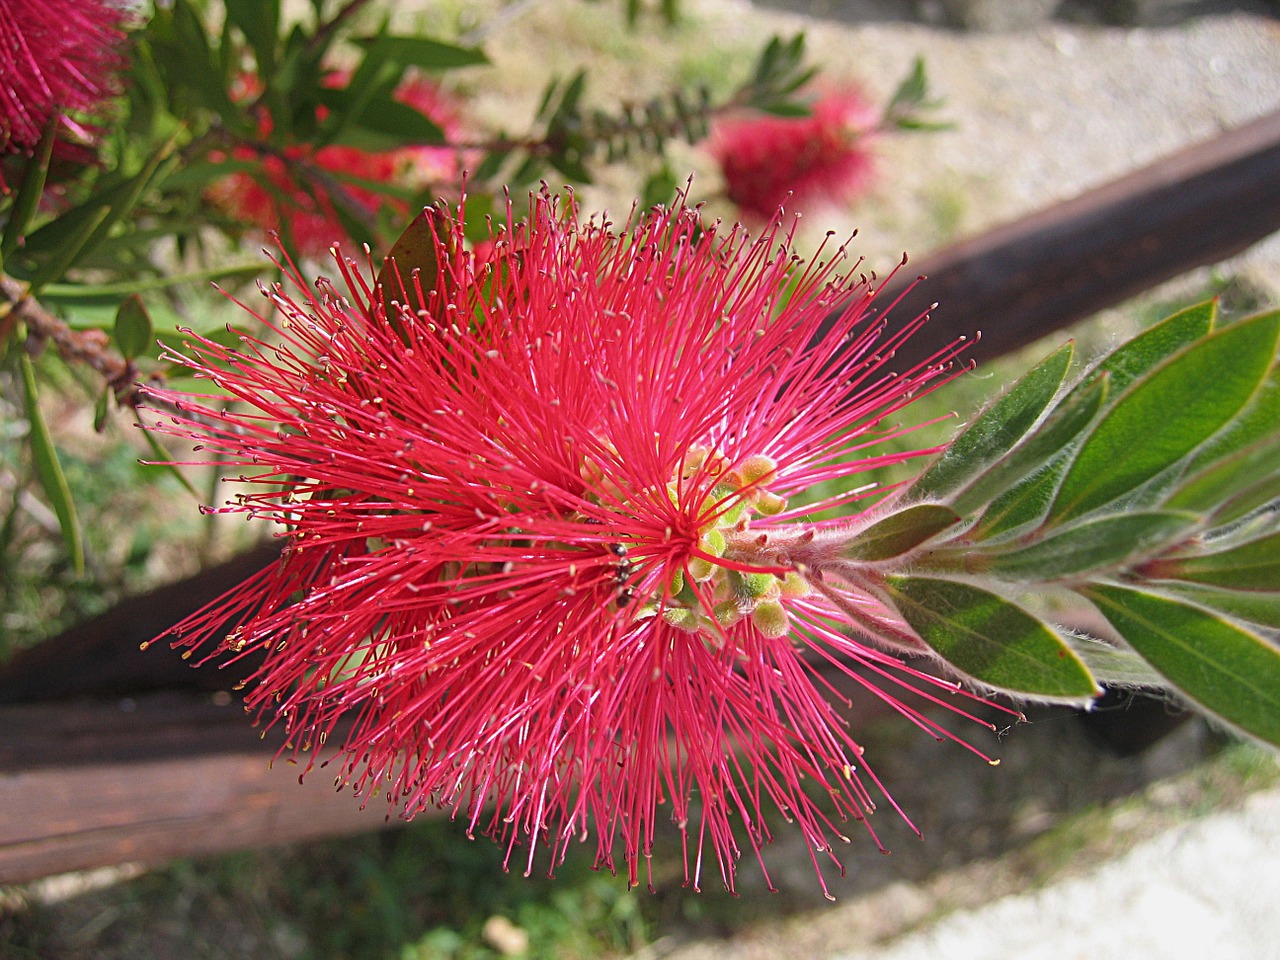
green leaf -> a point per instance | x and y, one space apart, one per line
123 198
990 639
72 293
1024 503
1221 666
414 252
1167 413
395 123
62 259
1114 667
30 190
1111 541
1247 501
1216 484
133 331
1135 357
997 429
1260 608
900 532
49 468
1063 424
1253 565
259 21
102 410
1257 421
424 52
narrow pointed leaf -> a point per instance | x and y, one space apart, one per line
1247 501
1063 424
1135 357
30 190
1252 606
996 429
49 468
1167 413
990 639
1114 667
1111 541
1258 420
1223 667
424 52
1254 565
1024 503
901 532
1219 482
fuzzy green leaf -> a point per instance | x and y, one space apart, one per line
1115 667
1253 565
1216 484
1218 664
1063 424
1135 357
49 468
1108 541
1252 606
1023 503
990 639
1257 421
996 429
900 532
1167 413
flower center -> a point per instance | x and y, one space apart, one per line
725 576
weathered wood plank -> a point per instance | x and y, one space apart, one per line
89 783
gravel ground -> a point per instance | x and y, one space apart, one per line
1204 889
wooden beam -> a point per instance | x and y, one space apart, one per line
1020 282
90 783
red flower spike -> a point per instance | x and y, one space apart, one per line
57 58
313 222
536 563
826 156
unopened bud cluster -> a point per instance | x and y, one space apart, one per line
711 591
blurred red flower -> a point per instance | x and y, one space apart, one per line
276 194
57 58
545 563
827 155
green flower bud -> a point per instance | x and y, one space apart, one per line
771 619
760 470
770 504
682 618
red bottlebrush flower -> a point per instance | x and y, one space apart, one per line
312 220
57 57
824 156
543 564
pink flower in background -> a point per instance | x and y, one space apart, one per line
312 220
824 156
548 560
57 57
